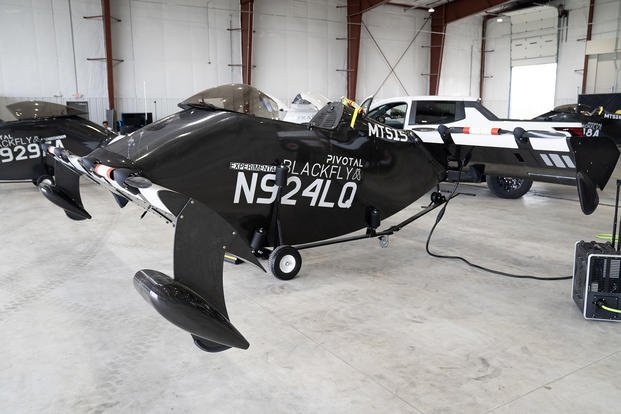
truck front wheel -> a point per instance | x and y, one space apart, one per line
508 187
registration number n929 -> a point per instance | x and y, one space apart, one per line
19 153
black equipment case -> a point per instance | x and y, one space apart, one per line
597 276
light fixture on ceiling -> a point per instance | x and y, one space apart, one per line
431 10
499 19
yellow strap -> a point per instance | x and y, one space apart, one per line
348 102
354 116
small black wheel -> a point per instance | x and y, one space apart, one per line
508 187
47 178
285 262
437 197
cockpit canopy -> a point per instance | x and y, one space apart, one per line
234 97
38 110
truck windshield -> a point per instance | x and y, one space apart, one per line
391 114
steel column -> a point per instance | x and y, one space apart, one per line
247 12
438 29
585 70
483 56
354 24
355 9
105 8
445 14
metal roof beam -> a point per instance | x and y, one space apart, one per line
459 9
105 9
246 12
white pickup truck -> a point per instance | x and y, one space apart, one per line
428 112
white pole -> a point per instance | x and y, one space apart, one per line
144 88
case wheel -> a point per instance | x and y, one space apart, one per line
285 262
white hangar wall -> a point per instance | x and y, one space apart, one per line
497 74
603 75
461 58
43 50
172 50
524 37
36 52
604 71
299 46
571 52
403 37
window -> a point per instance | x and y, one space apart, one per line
392 114
434 112
532 90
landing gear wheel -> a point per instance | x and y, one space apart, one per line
47 178
285 262
508 187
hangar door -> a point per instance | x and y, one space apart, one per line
534 45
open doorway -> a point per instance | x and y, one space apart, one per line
532 90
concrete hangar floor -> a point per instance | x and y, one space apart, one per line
361 330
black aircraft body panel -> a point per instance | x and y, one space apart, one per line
519 163
21 157
226 160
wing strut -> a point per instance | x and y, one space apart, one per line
194 299
65 193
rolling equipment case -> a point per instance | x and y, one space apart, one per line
596 277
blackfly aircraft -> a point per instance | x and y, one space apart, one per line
596 121
233 178
28 124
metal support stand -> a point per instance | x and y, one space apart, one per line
440 200
261 236
616 237
281 182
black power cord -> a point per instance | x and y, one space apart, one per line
466 261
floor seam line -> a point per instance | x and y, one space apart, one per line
341 359
552 381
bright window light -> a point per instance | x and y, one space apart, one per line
532 90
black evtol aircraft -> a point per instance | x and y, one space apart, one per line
36 122
233 178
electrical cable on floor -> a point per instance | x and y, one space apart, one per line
466 261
